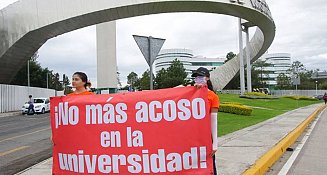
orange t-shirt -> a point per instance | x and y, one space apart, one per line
83 93
213 99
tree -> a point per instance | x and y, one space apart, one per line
259 65
118 80
306 81
174 75
160 79
229 56
65 82
323 85
144 81
56 82
38 75
283 82
132 78
255 78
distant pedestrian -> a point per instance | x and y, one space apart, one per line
325 98
30 106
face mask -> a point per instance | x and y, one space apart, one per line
200 80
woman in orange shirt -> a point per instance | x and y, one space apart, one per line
81 84
202 79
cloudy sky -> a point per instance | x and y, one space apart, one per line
301 31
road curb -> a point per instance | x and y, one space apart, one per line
270 157
34 166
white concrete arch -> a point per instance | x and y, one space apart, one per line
27 24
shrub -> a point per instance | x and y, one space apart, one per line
298 97
233 103
235 109
259 97
255 94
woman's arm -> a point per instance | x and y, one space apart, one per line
214 129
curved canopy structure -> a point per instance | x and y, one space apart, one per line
27 24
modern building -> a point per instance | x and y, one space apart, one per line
167 56
185 56
319 75
278 63
209 63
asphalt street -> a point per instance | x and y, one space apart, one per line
24 141
312 158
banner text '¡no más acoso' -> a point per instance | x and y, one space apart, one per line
183 109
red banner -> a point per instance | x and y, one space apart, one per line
149 132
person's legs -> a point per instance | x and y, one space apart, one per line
30 108
214 165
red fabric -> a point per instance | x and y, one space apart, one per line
169 146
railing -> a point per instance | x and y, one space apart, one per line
310 93
12 97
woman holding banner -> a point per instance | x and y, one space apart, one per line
202 79
81 84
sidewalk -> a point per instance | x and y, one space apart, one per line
237 151
8 114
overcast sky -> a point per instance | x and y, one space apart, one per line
301 29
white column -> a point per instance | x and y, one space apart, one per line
248 62
106 55
242 81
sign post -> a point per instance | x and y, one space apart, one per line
150 47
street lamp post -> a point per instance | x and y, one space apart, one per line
316 88
47 80
28 74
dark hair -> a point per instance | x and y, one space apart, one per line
83 76
30 96
210 86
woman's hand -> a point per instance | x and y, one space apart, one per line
200 85
213 153
51 139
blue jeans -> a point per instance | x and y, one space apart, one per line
30 107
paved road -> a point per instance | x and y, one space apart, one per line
24 141
313 156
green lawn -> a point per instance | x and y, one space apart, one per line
230 122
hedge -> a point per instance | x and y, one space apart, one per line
235 109
233 103
298 97
259 97
255 94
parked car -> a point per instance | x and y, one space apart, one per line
319 97
41 105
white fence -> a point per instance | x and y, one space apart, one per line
310 93
13 97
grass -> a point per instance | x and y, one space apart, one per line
229 123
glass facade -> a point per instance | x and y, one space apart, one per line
185 56
279 63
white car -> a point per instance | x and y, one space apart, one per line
41 105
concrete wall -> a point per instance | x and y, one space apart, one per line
13 97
